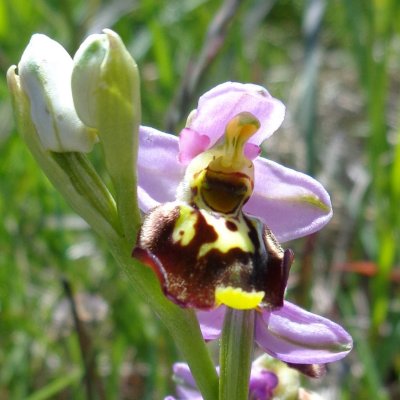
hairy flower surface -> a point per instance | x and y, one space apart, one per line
218 210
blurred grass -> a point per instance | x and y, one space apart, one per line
336 65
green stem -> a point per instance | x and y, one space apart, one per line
235 354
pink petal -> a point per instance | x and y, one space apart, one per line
211 322
294 335
252 151
191 144
219 105
159 172
290 203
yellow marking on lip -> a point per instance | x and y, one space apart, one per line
227 239
184 229
237 298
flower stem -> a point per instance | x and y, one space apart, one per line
235 354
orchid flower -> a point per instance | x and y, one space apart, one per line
218 210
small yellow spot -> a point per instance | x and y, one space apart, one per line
238 298
314 201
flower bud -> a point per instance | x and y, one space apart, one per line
45 74
105 77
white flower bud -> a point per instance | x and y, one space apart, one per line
45 74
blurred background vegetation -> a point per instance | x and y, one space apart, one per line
335 64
